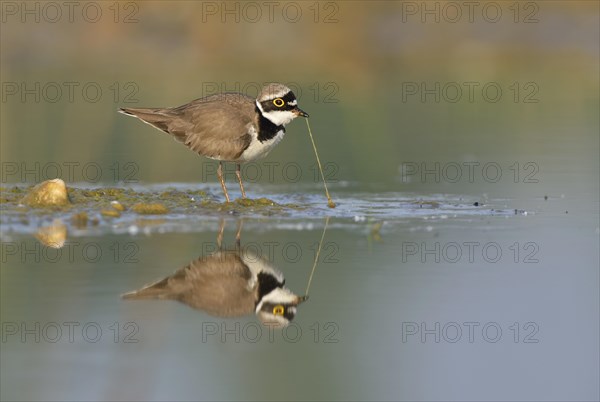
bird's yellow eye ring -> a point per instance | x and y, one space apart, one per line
278 310
278 102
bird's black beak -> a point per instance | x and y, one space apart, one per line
299 112
301 299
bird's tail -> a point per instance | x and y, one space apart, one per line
156 290
157 118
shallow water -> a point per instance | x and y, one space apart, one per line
191 215
414 297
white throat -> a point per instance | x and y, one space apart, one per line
277 117
279 296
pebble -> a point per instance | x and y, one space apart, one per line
49 193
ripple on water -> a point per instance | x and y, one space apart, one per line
300 208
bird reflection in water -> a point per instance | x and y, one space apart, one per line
228 283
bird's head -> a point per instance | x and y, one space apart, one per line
278 104
278 307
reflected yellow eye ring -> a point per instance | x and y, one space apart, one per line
278 310
278 102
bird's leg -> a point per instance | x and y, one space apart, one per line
238 173
238 235
220 174
220 234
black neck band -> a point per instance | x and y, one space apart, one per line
266 284
266 128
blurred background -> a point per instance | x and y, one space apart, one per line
361 69
395 90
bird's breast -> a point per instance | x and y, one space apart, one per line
257 149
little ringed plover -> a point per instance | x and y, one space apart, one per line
228 127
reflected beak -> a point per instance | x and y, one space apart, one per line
301 299
299 112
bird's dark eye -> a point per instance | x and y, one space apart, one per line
278 310
278 102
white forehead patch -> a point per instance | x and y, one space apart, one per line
277 94
274 93
293 103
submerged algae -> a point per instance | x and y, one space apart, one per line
149 209
87 207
